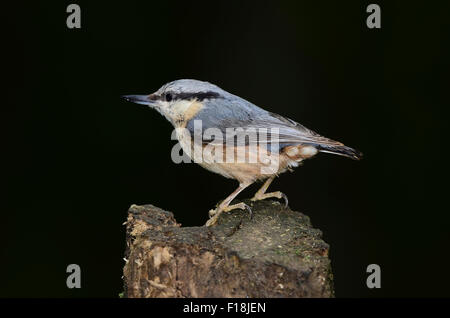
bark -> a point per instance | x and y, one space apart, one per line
277 253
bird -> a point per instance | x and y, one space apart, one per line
195 108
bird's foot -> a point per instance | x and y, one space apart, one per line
276 194
215 213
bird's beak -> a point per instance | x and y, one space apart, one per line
141 99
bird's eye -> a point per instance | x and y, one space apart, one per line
168 97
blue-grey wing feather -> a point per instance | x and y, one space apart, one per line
235 112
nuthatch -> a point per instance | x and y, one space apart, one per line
185 102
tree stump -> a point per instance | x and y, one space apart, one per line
277 253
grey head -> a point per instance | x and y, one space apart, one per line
172 93
182 99
185 88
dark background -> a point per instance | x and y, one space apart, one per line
77 156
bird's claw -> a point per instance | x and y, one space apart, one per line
249 209
286 201
214 213
277 194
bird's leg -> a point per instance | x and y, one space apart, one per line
225 205
261 194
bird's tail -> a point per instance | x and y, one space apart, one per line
340 149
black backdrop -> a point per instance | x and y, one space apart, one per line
76 155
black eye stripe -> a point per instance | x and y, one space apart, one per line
190 96
199 96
